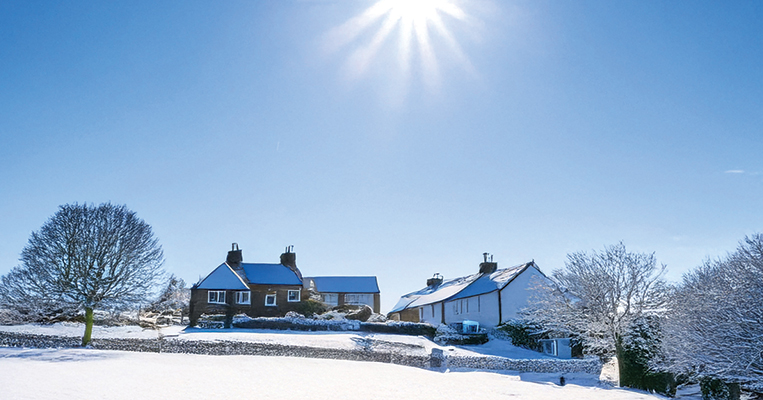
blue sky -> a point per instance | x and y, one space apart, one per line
548 128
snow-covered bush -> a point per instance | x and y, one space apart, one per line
448 334
639 347
311 306
214 321
174 296
377 318
597 296
520 333
714 324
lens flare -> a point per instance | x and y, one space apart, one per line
416 23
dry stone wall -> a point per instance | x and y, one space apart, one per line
369 350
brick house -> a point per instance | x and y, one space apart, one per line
270 290
255 289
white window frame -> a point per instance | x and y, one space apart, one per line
421 314
288 296
271 296
219 296
240 297
554 351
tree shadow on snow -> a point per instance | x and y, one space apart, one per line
56 355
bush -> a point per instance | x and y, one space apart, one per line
715 389
451 335
521 334
635 350
310 307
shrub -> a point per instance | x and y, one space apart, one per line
521 334
715 389
635 351
310 307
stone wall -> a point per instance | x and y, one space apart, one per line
369 350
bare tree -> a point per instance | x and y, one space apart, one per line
714 324
86 257
174 296
598 295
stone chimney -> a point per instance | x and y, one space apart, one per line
289 259
234 260
488 267
435 280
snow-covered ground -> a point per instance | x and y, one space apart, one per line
76 329
326 339
96 374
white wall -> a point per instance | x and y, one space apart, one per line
516 294
432 313
482 308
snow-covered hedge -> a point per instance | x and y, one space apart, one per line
297 322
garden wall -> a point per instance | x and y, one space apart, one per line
375 351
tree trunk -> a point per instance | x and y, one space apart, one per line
88 326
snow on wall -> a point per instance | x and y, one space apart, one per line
383 352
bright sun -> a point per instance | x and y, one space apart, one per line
414 21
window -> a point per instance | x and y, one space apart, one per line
549 347
216 296
242 298
359 299
421 314
270 299
293 296
331 299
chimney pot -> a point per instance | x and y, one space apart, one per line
488 267
289 259
234 256
435 280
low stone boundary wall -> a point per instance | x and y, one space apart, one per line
219 347
587 365
375 351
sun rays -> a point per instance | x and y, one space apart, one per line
413 24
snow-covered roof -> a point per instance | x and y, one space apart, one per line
270 274
458 288
492 282
346 284
434 294
223 278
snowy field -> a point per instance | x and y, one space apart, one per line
99 374
96 374
327 339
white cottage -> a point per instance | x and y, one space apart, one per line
491 297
